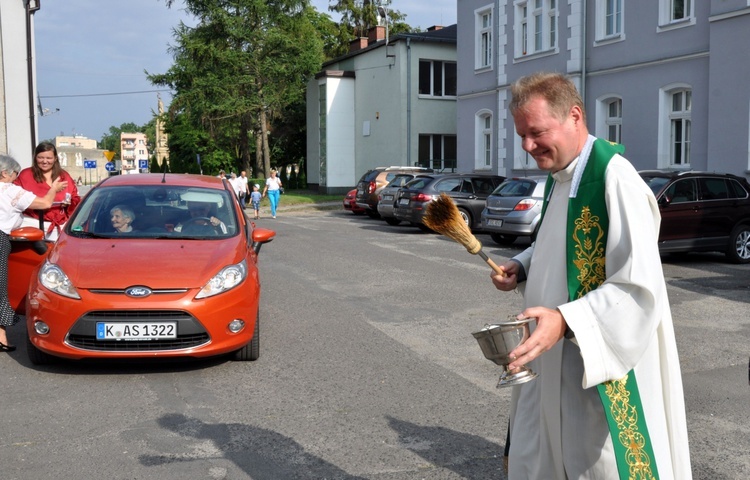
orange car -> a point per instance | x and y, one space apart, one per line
179 279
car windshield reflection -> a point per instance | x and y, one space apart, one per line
155 212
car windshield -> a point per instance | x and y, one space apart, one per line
515 188
655 183
400 180
418 183
154 211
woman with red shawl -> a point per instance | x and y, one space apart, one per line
38 179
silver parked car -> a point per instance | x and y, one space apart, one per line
387 197
513 209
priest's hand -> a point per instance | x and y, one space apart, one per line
510 280
550 328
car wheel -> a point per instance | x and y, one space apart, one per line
373 214
738 250
502 239
36 356
251 351
466 216
392 221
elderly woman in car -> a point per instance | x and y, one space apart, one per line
122 218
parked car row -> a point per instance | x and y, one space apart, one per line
701 211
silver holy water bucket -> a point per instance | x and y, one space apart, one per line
498 340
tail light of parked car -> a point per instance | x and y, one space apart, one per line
422 197
525 204
371 187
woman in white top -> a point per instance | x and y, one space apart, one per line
13 201
272 189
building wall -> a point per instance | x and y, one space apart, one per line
374 112
75 141
639 66
18 127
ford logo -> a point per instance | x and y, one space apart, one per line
138 292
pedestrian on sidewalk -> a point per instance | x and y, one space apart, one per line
272 190
255 200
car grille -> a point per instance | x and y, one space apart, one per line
190 332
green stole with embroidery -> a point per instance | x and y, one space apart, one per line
587 228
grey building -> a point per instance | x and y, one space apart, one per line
389 101
666 78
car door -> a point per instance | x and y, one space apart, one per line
679 206
716 207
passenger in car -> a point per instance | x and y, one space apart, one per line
122 218
201 214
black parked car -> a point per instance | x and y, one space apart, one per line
702 212
468 190
373 181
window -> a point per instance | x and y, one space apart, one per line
536 26
437 78
437 152
679 120
608 19
483 140
484 39
614 121
682 191
675 11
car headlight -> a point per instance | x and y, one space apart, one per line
52 277
228 278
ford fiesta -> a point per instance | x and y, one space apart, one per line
149 265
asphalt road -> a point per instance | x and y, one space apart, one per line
368 370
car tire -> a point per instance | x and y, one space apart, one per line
251 351
372 214
466 216
36 356
392 221
502 239
738 250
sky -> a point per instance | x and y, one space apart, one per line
91 56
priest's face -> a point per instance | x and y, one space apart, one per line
552 141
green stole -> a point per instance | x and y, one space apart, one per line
587 229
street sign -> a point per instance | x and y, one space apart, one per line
143 164
89 164
109 154
110 166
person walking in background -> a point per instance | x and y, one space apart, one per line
235 183
255 200
38 179
272 190
13 201
244 187
608 402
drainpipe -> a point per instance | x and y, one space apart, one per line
583 53
30 73
408 101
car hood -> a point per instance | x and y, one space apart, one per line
156 263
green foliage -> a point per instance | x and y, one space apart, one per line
244 61
357 17
111 140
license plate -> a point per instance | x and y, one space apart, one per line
387 197
403 201
494 223
136 331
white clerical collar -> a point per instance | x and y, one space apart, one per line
580 165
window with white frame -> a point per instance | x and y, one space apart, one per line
614 120
535 26
438 152
675 11
608 19
437 78
483 140
484 38
679 121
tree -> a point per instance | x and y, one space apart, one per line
358 16
235 73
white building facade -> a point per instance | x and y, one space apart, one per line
18 120
383 105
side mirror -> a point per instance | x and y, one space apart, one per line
32 235
261 236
